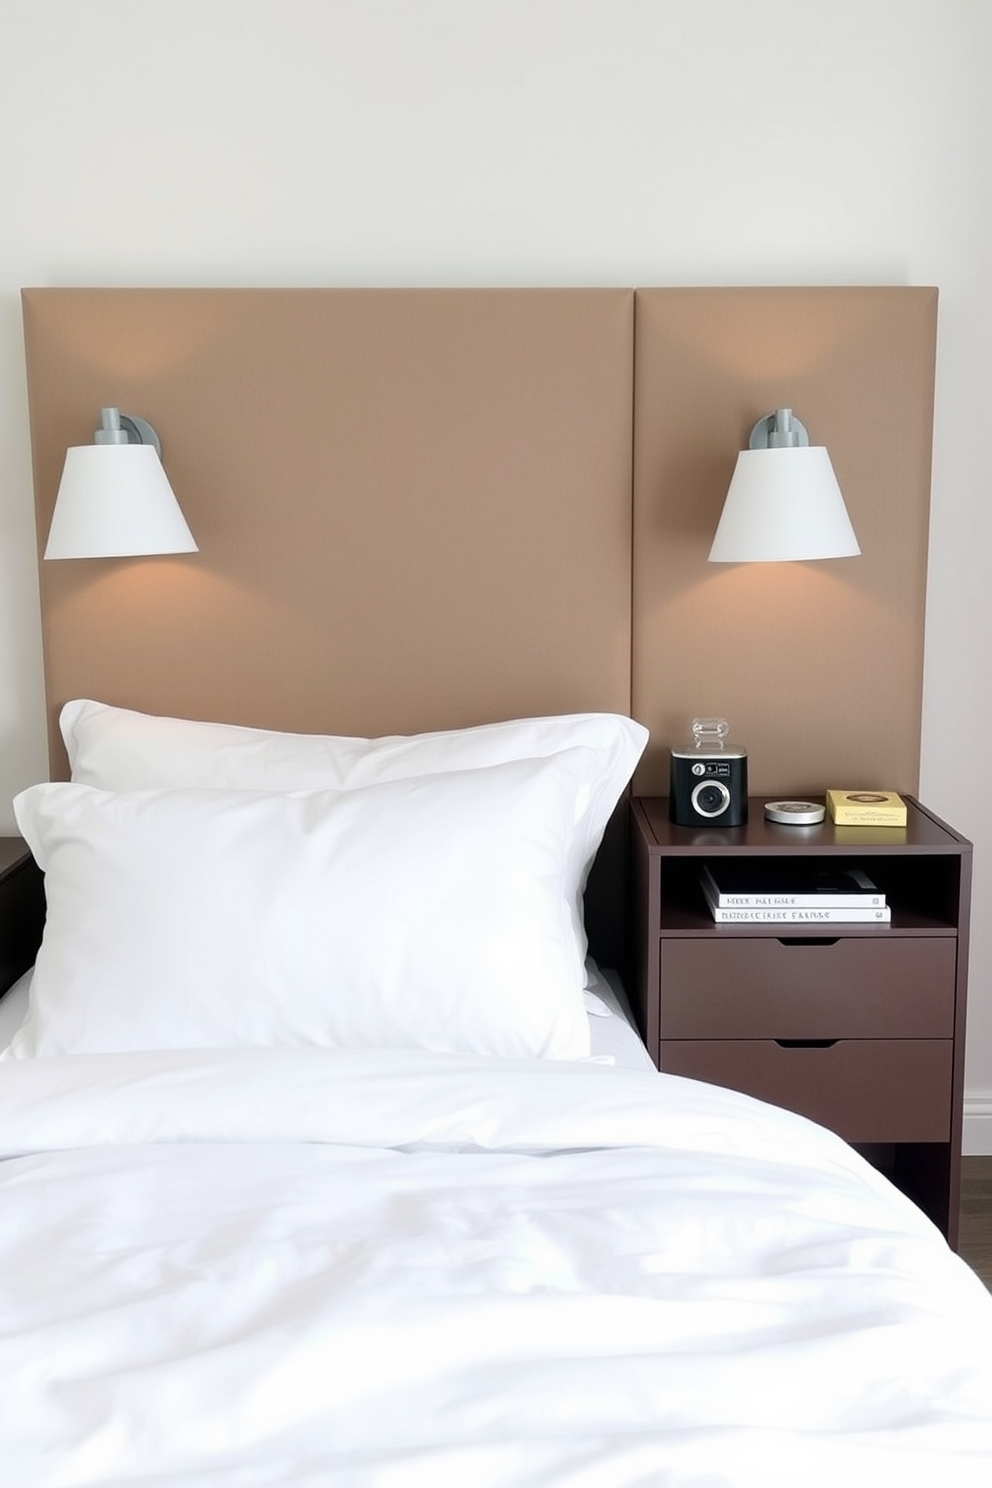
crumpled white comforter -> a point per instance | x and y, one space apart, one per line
405 1270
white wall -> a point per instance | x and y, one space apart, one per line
523 142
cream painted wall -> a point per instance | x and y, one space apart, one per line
453 142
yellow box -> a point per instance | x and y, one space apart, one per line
866 808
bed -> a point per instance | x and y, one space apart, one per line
330 1152
299 1189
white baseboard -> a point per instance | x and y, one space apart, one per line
977 1139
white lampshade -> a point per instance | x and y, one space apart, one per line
115 501
783 504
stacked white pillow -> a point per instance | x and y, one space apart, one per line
211 885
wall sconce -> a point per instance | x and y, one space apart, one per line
114 499
784 502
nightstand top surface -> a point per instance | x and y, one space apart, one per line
922 833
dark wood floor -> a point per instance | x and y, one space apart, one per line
975 1238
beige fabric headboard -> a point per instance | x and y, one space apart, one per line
413 507
427 508
818 666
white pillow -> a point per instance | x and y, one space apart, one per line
120 750
427 913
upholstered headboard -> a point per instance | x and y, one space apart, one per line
428 508
413 508
818 666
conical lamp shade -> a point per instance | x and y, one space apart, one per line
115 501
782 505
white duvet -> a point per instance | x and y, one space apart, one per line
405 1270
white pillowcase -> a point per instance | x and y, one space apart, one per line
119 750
428 913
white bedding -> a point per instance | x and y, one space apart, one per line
411 1270
613 1037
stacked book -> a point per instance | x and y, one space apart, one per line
791 894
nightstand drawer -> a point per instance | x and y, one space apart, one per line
858 1087
858 987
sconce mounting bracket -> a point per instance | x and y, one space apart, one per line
126 428
777 430
140 431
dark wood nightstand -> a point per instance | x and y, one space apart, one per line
22 909
860 1027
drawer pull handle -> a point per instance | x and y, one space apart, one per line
806 940
806 1043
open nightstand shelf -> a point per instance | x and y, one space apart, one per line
859 1026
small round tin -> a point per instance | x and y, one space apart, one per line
795 813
